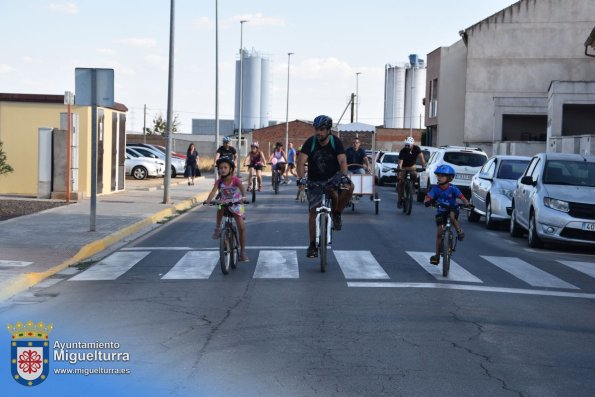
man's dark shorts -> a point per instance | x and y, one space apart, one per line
315 189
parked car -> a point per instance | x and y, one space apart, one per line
386 168
466 162
555 200
492 188
159 148
177 165
143 167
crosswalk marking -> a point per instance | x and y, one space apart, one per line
527 273
193 265
4 263
359 265
112 267
277 264
587 268
456 272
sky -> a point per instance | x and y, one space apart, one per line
43 41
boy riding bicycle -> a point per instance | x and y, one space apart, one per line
445 195
232 191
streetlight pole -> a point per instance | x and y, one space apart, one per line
216 73
289 54
170 105
357 96
241 94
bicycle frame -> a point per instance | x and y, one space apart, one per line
323 210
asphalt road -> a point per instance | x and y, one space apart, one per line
509 321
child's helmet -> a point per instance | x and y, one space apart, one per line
254 144
445 169
227 160
226 139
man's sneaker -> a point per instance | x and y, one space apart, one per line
312 251
244 257
434 259
337 221
460 235
216 233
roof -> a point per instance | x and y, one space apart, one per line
356 127
568 156
46 98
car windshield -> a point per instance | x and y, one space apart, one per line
512 169
390 158
573 173
465 159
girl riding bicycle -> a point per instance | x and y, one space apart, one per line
278 159
232 191
255 163
445 195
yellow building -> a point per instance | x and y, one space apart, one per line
22 116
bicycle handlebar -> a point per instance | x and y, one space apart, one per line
434 204
224 204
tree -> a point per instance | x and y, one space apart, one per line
160 125
5 168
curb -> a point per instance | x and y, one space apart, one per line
28 280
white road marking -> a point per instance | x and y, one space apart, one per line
4 263
255 247
193 265
359 265
456 272
587 268
111 267
159 248
482 288
277 264
527 273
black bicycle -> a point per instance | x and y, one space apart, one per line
408 190
253 183
229 242
324 227
276 178
448 243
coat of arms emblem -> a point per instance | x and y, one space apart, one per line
29 352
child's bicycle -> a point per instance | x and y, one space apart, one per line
448 243
408 189
276 178
253 183
229 242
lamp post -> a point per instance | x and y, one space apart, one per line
241 94
170 105
216 73
289 54
357 96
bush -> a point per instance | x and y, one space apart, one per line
5 168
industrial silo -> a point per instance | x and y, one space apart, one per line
394 96
255 91
415 85
264 93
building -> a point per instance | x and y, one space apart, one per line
208 127
404 88
32 128
518 82
255 92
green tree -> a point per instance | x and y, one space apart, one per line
160 125
5 168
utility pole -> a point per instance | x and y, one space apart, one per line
170 103
352 105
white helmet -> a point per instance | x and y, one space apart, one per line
410 141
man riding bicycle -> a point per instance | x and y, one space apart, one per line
327 169
357 155
407 159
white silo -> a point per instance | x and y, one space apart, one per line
394 96
255 91
415 85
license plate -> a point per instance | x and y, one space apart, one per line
589 226
464 176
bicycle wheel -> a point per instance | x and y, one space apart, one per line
446 251
234 246
253 189
376 201
408 204
322 242
276 182
224 251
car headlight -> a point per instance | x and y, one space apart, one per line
386 169
505 192
558 205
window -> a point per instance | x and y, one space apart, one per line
465 158
512 169
433 98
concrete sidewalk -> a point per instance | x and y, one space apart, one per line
37 246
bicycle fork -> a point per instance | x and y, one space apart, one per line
326 212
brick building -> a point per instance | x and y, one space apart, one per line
298 132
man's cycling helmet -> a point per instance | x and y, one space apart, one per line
445 169
323 122
410 141
278 144
227 160
254 144
226 139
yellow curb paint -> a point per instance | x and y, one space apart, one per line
28 280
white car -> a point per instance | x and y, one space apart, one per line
386 168
177 165
492 188
143 167
555 200
466 162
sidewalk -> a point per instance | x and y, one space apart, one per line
37 246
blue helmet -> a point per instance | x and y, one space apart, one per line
226 139
323 122
445 169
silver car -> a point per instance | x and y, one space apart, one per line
177 165
492 187
386 167
143 167
555 200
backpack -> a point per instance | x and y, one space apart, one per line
314 143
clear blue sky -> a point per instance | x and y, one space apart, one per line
43 41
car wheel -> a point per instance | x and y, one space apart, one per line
139 172
515 229
173 172
534 240
472 216
490 224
